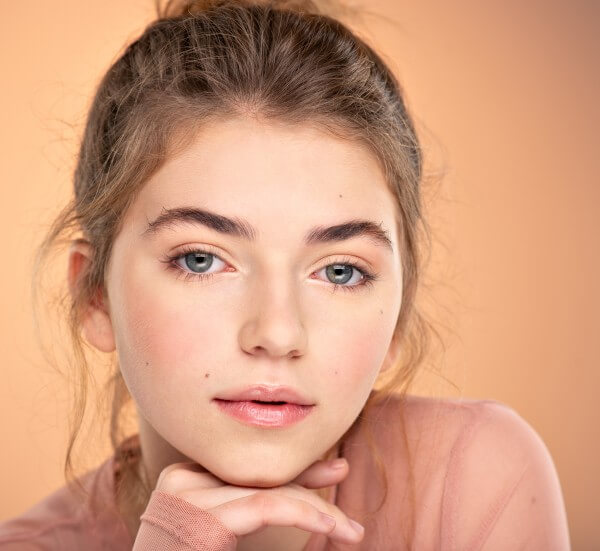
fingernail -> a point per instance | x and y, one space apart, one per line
338 463
359 528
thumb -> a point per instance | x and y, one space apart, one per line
322 473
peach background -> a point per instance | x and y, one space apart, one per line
506 95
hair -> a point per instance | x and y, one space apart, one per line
289 61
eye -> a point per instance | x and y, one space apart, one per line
193 264
198 262
347 275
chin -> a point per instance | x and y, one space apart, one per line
263 477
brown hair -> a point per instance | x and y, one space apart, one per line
289 61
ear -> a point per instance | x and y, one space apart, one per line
392 355
95 319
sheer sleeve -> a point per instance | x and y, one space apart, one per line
170 523
502 490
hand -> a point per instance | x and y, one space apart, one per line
245 510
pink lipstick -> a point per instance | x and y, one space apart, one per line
265 414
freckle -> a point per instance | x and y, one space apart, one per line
341 195
146 363
381 311
206 375
533 500
336 372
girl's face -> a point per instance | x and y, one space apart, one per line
267 310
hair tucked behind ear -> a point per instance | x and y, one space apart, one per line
205 60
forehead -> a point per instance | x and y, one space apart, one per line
267 172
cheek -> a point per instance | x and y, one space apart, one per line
166 335
352 348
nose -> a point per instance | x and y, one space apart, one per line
272 324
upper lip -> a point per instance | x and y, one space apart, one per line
266 393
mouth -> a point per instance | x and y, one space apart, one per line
266 394
254 402
264 414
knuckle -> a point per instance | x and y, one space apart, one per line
265 503
333 511
171 476
162 475
171 467
305 508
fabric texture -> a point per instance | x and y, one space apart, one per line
173 524
481 478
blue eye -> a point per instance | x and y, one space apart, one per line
196 262
199 261
339 270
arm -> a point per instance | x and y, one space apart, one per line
171 523
502 490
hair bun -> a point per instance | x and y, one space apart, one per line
331 8
178 8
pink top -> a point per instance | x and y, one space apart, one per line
484 479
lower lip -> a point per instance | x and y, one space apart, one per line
265 415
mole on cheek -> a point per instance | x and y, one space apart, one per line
206 375
340 195
381 311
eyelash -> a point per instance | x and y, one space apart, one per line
367 280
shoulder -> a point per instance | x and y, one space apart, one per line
478 427
449 424
66 518
500 486
36 527
461 425
485 478
474 441
491 440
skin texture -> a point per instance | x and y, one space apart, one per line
269 313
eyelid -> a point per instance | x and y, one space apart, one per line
369 275
347 260
342 258
191 248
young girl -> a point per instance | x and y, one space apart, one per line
246 236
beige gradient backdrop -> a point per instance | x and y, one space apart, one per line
506 95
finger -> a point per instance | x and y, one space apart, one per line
299 492
181 476
322 473
264 508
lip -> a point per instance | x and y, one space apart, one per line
266 393
264 415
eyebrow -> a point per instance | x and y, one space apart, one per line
238 227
